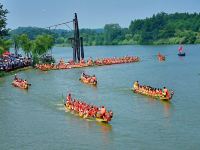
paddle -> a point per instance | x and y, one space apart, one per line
63 99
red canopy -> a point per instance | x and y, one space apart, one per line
6 53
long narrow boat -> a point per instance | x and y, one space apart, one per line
156 96
20 84
161 57
85 111
87 79
88 63
82 115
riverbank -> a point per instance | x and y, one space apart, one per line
3 73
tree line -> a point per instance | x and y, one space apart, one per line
161 28
33 48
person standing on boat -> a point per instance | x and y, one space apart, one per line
135 85
83 74
103 111
69 98
16 78
180 49
25 82
94 79
165 92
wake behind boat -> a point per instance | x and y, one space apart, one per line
162 94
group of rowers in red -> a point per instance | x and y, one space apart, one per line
88 79
20 83
153 92
71 64
88 111
161 57
110 61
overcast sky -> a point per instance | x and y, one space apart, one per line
91 13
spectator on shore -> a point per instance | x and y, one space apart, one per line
11 62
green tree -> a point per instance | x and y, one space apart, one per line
5 45
1 50
42 44
112 33
16 42
161 28
3 29
26 44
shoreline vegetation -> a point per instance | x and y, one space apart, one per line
160 29
3 73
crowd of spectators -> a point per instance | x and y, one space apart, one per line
9 62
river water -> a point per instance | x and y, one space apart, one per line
36 119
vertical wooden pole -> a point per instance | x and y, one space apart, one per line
74 41
82 50
77 38
78 51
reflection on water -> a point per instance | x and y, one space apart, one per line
181 58
22 91
167 107
105 128
36 118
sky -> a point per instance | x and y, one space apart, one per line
91 13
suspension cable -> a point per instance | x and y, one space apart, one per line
64 23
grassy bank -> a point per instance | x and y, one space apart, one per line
3 74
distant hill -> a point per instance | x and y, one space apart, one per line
161 28
61 36
32 32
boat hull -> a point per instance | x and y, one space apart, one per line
84 116
19 85
86 82
155 97
181 54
